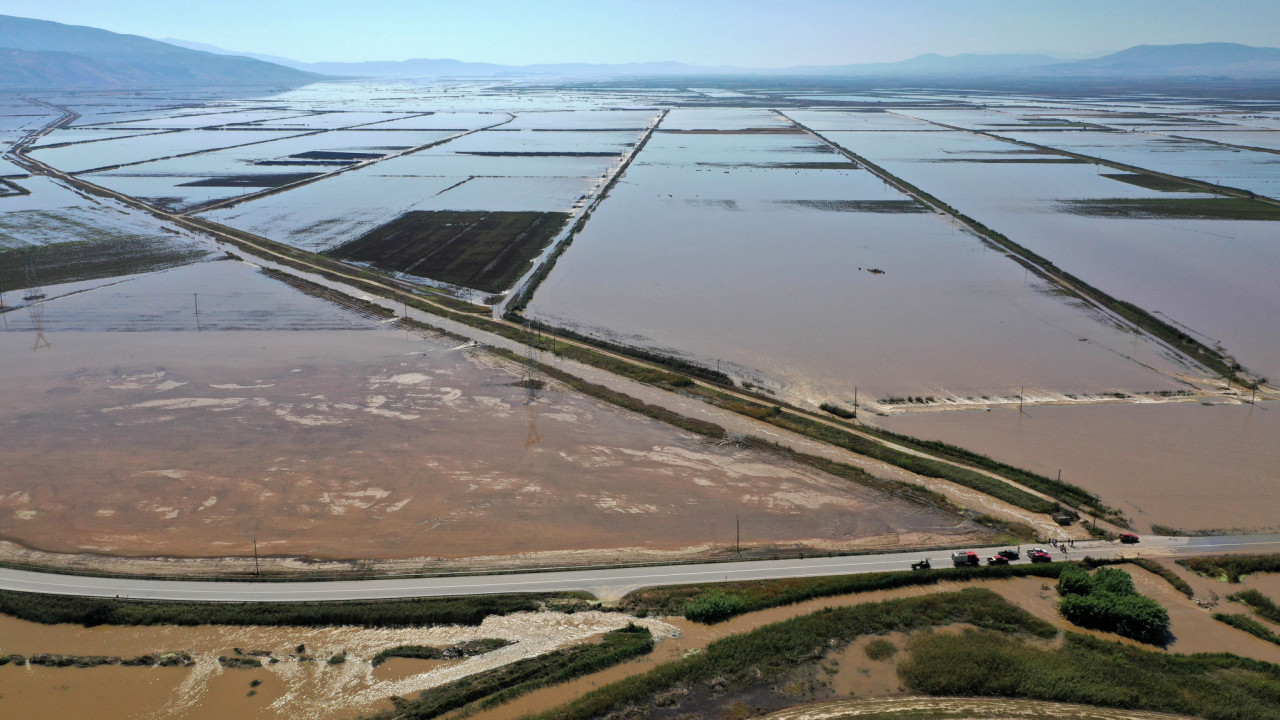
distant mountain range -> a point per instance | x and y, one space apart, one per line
1212 59
41 54
37 54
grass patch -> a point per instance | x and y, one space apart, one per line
1107 601
1260 604
881 649
484 250
768 653
837 411
1232 567
1093 672
1174 208
494 687
712 603
53 609
1249 625
1155 182
426 652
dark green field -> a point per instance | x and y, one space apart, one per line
484 250
1175 208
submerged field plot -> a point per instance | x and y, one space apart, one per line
1200 261
755 247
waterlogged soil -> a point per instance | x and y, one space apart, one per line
379 444
300 684
704 251
1184 465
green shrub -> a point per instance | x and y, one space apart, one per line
1232 567
1107 600
714 607
881 649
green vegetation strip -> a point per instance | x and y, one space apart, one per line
494 687
53 609
1249 625
1232 567
721 601
1107 600
1260 604
770 652
1090 671
426 652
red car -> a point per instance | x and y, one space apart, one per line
1039 555
1128 538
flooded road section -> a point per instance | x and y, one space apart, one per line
771 256
1183 465
301 683
380 443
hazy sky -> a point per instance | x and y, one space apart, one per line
754 33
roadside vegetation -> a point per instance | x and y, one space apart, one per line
721 601
1107 600
1230 568
53 609
762 657
1090 671
494 687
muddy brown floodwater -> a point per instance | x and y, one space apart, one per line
1184 465
379 444
291 688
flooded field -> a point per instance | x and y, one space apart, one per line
1182 465
778 260
329 443
181 402
1176 267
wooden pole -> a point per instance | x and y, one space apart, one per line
737 521
855 402
255 557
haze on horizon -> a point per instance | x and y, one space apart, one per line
747 33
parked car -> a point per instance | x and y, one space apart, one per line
1037 555
1009 554
997 560
965 558
1128 538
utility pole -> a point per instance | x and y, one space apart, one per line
255 557
855 402
1022 391
737 521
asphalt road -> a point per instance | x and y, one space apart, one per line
605 583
